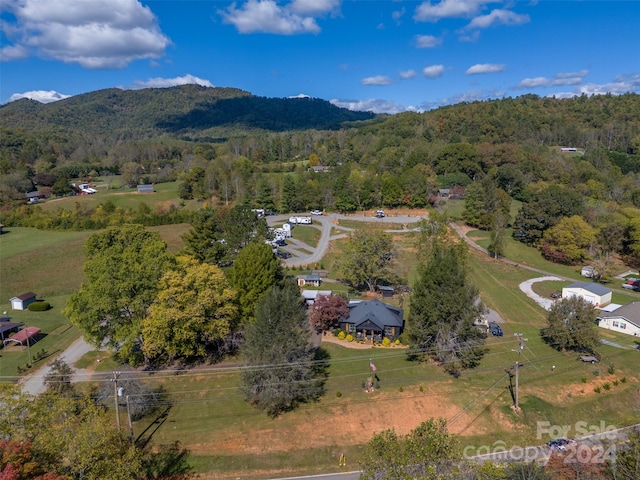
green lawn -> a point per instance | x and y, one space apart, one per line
56 335
164 196
306 234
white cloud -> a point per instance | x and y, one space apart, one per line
159 82
559 79
427 41
314 8
377 80
95 34
433 71
265 16
430 12
498 17
43 96
622 84
398 14
485 68
370 105
300 95
407 74
13 52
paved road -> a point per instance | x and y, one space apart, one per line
325 223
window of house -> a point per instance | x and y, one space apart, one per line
388 331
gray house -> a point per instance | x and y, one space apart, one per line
373 320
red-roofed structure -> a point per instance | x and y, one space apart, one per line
24 336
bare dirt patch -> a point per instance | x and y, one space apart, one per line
352 423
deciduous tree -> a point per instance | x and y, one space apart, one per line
367 258
327 310
122 270
571 325
568 240
428 452
280 371
195 308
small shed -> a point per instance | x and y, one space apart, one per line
21 302
314 280
6 328
593 293
588 271
146 189
386 291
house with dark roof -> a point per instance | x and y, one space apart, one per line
625 319
373 320
593 293
21 302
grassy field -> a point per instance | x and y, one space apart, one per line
166 194
228 438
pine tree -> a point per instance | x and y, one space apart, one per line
281 373
255 271
444 307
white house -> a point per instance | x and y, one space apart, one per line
305 280
592 292
625 319
21 302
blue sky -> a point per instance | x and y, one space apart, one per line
384 56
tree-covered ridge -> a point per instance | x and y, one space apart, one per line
153 112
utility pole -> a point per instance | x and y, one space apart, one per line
521 341
130 424
115 397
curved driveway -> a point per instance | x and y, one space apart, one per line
325 223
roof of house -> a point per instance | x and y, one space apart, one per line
24 296
386 288
590 287
375 312
630 312
313 294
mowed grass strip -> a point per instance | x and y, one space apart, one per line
45 262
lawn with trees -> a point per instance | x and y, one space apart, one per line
222 309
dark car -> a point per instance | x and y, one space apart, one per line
495 329
283 255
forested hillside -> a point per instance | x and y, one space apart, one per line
225 146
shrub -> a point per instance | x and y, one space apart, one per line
623 379
607 386
386 342
584 379
597 389
341 335
611 369
39 306
421 389
401 389
338 394
596 372
349 338
616 383
396 341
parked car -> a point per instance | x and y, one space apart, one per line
380 214
495 329
283 255
556 295
316 212
588 359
